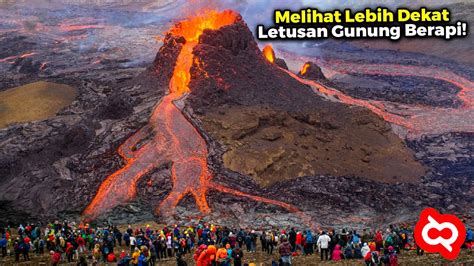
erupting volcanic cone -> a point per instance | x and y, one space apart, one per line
173 137
218 65
311 71
231 81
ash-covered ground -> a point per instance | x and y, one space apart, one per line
53 167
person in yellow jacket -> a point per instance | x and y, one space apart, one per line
135 256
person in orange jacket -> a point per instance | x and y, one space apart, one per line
207 256
222 257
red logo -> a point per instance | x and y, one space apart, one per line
443 233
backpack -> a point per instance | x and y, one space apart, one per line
197 253
355 239
106 250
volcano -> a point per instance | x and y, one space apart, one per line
220 72
214 122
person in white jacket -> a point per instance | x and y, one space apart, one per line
133 244
323 244
364 250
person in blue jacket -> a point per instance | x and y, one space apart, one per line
3 245
142 260
468 235
309 243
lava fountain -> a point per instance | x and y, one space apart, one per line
174 139
268 53
304 69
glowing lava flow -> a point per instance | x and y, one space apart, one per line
174 139
10 58
304 69
416 119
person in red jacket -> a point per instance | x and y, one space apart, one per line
122 254
207 257
69 252
299 242
81 243
55 257
111 257
379 240
198 251
336 253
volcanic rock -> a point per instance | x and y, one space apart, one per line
275 128
281 63
312 71
256 120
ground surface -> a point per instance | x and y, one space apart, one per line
271 146
34 101
262 259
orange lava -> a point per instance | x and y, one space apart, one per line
466 86
269 53
27 55
13 57
417 119
191 29
174 139
79 27
304 69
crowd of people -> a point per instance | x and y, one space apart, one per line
208 244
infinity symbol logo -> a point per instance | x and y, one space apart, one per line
439 240
430 219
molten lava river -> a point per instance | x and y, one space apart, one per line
175 139
416 119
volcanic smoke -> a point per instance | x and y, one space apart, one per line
174 139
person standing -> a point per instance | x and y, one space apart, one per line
237 255
55 257
284 249
3 245
270 239
133 243
69 252
292 236
323 244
